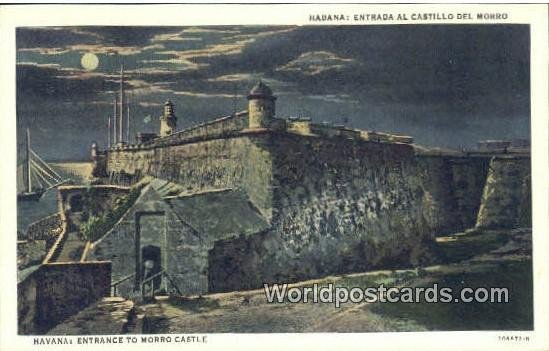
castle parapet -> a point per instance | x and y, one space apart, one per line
259 117
349 133
299 125
143 138
324 129
385 137
217 128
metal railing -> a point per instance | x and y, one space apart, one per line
149 281
114 285
147 286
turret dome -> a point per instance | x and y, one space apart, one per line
260 91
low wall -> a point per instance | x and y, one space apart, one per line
213 129
47 229
57 291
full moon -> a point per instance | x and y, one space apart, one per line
89 61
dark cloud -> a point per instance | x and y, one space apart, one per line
53 82
447 85
52 37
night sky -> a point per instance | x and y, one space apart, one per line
448 86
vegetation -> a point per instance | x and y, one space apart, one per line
517 314
98 224
92 202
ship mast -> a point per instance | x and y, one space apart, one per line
120 130
115 116
109 133
128 122
29 178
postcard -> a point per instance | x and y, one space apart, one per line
274 176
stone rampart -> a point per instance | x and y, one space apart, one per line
213 129
57 291
241 163
453 188
334 204
338 206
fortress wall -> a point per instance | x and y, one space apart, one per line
238 162
469 177
342 206
339 206
130 161
506 199
453 188
335 205
214 129
439 206
345 205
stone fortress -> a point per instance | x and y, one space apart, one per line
251 198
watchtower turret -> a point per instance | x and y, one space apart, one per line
168 121
261 106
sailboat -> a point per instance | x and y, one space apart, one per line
38 176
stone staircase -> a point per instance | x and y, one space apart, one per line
110 316
70 249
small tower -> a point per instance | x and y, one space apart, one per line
168 121
261 106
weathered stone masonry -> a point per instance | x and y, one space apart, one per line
235 162
55 291
335 199
341 205
333 204
181 229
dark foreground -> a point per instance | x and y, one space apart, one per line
471 259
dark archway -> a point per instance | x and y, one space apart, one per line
151 264
76 203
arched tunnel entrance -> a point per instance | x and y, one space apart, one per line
151 264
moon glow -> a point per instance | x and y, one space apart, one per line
89 61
